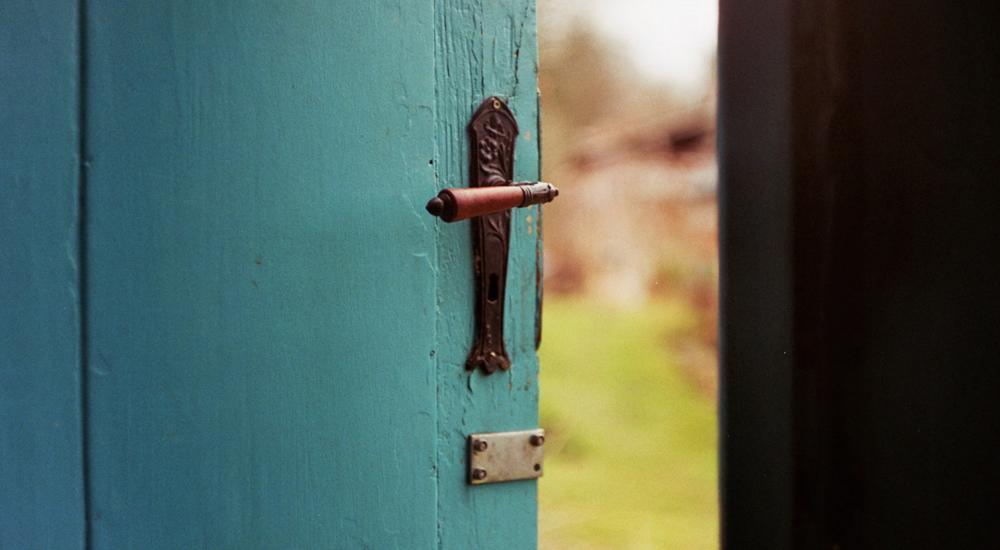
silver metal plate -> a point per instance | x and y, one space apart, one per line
505 456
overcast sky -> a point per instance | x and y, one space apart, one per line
668 40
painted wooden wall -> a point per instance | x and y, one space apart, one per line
41 443
274 330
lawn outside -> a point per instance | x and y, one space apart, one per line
631 435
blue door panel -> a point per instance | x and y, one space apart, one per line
41 442
262 287
226 320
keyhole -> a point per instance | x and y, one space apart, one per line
494 290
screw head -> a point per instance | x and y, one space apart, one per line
478 474
479 445
496 103
537 440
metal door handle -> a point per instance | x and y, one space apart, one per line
488 201
461 203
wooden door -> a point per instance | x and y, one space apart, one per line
258 335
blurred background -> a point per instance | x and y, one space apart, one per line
629 360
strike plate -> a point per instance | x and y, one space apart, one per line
505 456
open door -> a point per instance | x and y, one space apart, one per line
274 332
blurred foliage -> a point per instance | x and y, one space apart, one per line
628 373
631 440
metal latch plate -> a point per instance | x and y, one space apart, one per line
505 456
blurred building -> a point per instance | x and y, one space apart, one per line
636 161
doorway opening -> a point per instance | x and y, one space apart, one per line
629 371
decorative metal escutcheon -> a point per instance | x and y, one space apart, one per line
492 132
487 202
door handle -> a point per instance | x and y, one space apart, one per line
461 203
488 201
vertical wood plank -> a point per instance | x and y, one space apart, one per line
262 274
41 447
485 48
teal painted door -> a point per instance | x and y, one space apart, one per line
227 320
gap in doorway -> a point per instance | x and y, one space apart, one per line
629 359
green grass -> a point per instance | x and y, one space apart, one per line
630 458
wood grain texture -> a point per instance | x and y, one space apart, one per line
41 449
276 330
263 277
484 48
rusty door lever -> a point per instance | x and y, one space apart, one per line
488 200
461 203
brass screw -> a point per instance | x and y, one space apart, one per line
479 445
496 103
478 474
537 440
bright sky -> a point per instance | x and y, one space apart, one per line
668 40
